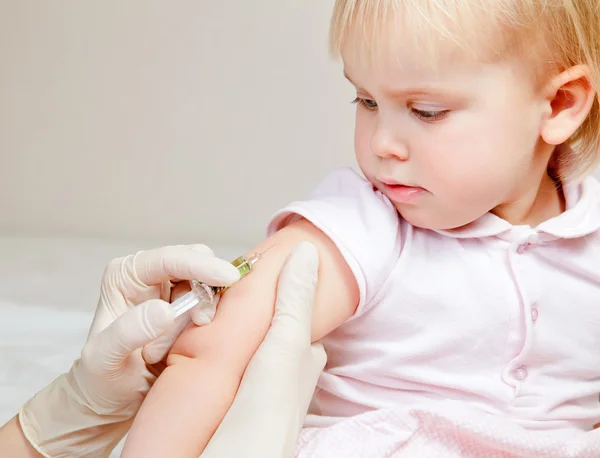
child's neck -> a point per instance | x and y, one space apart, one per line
540 202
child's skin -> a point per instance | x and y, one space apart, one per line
471 136
208 362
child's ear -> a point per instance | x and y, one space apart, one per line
570 96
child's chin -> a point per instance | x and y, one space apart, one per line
417 217
424 218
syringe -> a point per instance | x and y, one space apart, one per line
203 294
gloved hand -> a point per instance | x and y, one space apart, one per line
88 410
267 414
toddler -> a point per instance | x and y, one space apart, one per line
461 274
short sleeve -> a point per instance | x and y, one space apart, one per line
361 222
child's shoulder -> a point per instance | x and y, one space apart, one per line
349 202
345 186
363 224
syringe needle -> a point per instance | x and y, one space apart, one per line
255 257
263 253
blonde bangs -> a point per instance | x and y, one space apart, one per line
481 28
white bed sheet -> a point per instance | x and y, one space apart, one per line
48 295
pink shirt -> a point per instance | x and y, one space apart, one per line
498 318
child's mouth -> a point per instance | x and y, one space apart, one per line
401 193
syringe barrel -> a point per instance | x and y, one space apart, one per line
242 265
203 294
200 295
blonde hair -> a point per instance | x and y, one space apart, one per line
549 33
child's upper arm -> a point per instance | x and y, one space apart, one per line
245 311
357 233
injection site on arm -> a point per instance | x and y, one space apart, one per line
203 295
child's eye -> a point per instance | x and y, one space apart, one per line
367 103
430 116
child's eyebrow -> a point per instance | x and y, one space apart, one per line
423 90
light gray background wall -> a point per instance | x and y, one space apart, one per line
187 120
183 120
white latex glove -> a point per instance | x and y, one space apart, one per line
87 411
268 412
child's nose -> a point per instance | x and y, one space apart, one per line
386 144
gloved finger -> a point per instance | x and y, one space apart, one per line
135 328
156 350
295 295
182 263
203 314
200 248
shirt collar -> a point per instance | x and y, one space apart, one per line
581 218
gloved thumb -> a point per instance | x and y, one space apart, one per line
156 350
295 295
134 329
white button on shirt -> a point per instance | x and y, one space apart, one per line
453 314
521 373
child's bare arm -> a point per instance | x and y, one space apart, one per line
191 397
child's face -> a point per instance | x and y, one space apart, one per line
464 139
